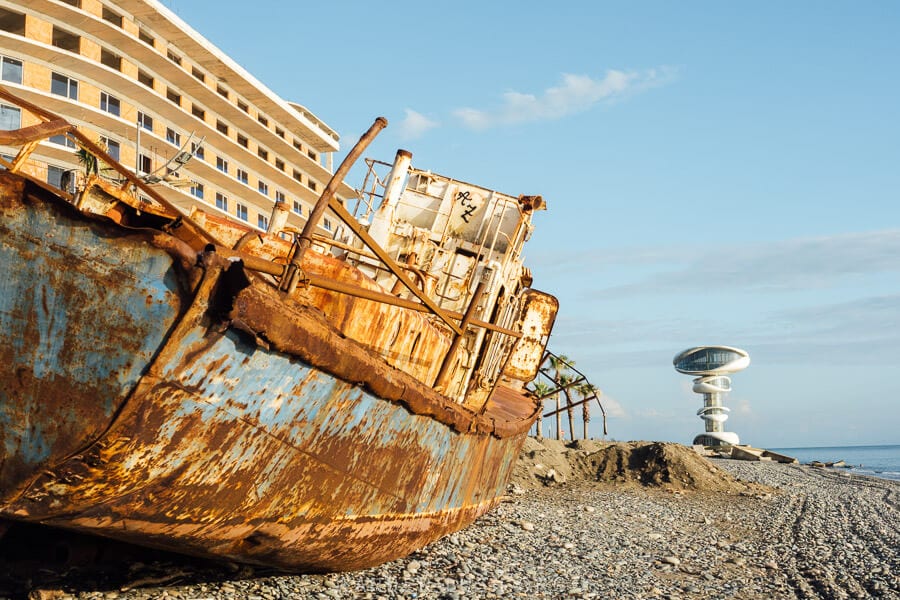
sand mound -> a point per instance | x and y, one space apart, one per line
661 465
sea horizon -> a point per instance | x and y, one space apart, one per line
876 460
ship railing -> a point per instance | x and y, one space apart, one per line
289 276
561 379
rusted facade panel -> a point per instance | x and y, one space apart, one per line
224 421
538 315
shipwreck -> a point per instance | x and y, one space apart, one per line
183 381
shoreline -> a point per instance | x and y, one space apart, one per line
819 534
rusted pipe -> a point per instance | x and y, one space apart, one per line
305 239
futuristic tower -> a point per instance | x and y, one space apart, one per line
713 364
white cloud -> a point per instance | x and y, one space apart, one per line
576 93
613 407
415 124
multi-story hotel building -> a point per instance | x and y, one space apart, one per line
165 101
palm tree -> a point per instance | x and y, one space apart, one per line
559 364
540 389
564 380
585 390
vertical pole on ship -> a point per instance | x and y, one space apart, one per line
304 241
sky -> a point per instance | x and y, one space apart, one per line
716 173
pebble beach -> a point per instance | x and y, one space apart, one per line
804 532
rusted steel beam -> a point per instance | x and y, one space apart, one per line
34 133
396 269
572 405
24 152
440 382
305 239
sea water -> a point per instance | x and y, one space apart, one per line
877 461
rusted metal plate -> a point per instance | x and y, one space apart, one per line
79 324
538 315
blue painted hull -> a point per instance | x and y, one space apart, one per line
131 412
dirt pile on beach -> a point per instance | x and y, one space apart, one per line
663 465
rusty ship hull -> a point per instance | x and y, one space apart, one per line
128 410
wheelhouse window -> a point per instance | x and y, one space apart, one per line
11 70
63 85
110 104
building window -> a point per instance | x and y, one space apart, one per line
326 224
11 70
312 155
242 176
298 175
110 104
298 145
198 74
173 137
243 141
241 211
312 185
198 151
222 127
113 148
75 3
145 79
112 17
66 40
279 196
145 165
198 112
111 60
279 132
262 153
262 221
197 190
145 121
221 202
11 21
279 164
298 208
262 120
173 57
222 91
173 96
263 188
243 106
222 164
63 140
10 117
146 37
62 85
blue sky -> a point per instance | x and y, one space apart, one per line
716 174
